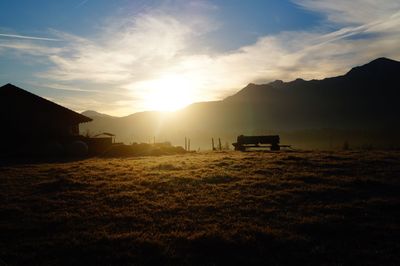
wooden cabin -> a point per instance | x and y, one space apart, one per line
28 120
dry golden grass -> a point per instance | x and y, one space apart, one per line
328 208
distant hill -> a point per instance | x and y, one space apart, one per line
91 114
365 99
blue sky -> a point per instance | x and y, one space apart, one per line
241 22
124 56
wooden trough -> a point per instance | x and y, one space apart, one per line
245 142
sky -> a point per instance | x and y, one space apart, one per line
124 56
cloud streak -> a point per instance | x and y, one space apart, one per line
28 37
357 12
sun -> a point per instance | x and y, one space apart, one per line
167 93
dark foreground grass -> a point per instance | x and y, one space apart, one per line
276 208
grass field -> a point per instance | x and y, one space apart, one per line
331 208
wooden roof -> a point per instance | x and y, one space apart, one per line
16 103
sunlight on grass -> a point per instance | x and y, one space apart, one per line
204 208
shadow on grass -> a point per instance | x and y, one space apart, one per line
220 179
59 184
15 161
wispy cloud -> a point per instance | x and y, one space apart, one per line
137 54
56 86
30 48
82 3
136 48
28 37
356 12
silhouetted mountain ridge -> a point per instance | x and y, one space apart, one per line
365 98
92 114
379 66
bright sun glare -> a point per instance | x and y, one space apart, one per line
167 93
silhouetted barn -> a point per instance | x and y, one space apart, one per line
28 120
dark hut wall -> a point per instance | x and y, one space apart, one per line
28 119
38 127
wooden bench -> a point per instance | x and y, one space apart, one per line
271 142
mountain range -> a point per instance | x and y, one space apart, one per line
361 105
